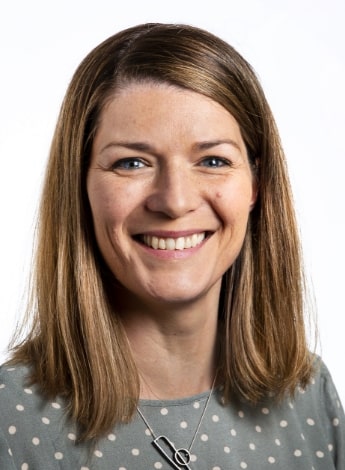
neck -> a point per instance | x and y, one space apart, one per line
175 352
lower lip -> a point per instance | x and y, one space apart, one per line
173 254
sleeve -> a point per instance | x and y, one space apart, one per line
6 459
334 418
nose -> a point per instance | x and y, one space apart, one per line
174 192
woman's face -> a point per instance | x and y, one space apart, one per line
170 189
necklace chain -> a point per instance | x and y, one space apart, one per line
178 457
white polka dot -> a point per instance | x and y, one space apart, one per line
158 465
265 411
12 430
135 452
11 369
20 407
28 391
45 420
24 466
283 423
291 405
297 453
35 441
252 446
84 468
111 437
312 381
71 436
241 414
277 441
193 458
243 465
184 424
233 432
258 429
335 422
164 411
122 468
227 450
320 454
216 468
271 459
2 386
196 405
301 390
10 452
98 453
55 405
204 437
310 421
330 447
58 455
302 436
148 432
215 418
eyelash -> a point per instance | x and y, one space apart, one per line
135 163
217 160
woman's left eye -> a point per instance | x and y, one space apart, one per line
214 162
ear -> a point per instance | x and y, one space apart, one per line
255 183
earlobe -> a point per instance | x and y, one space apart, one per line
254 199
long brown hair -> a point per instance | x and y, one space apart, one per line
77 346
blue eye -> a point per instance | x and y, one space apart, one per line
129 164
214 162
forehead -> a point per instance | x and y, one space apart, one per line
164 106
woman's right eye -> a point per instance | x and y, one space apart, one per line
128 164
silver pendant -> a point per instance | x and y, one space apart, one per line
178 458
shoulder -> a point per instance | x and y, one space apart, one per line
16 392
13 380
322 388
20 400
31 425
320 412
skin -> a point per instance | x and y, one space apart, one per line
169 163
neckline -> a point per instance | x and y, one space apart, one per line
183 401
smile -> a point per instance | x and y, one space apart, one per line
180 243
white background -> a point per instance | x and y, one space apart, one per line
297 49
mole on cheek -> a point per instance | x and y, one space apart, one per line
218 194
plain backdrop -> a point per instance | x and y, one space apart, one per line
297 50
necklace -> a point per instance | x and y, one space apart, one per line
181 457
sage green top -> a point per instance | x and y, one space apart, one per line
306 433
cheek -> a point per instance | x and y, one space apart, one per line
234 200
106 205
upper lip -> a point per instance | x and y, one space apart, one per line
173 233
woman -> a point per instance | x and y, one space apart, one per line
168 292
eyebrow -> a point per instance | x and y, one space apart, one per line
207 144
146 147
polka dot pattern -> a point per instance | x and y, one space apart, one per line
234 436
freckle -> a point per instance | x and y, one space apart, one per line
219 194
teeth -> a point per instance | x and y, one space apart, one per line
180 243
